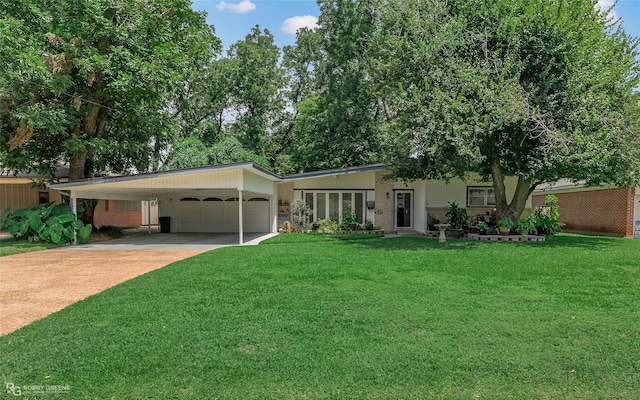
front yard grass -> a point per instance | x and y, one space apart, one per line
385 318
14 246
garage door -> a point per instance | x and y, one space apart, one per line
214 214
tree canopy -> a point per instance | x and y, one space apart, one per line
92 83
339 119
539 90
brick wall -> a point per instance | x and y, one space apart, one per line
608 211
122 219
285 194
384 205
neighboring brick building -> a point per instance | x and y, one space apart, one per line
596 210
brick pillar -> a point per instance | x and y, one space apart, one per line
629 225
285 194
384 203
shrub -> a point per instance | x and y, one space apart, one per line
547 217
327 225
348 217
301 212
44 223
457 216
526 224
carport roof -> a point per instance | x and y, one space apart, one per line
247 176
218 177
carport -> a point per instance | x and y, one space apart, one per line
230 198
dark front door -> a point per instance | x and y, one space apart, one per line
404 216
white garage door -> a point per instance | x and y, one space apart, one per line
213 214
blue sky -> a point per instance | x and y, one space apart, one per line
233 19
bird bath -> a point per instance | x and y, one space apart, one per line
442 227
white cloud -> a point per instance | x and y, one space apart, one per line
239 8
605 5
291 25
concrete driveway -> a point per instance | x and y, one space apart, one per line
34 285
142 240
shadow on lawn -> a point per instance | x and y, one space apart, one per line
423 243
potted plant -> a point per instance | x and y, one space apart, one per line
526 225
368 225
349 219
431 222
457 218
482 227
505 225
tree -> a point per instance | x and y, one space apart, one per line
90 83
192 152
257 82
540 90
339 119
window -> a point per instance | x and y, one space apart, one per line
332 204
43 197
480 196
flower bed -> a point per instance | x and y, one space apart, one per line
507 238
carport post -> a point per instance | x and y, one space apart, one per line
240 230
149 217
74 209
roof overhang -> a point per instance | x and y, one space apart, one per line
335 172
228 178
567 186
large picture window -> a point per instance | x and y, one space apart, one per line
480 196
331 204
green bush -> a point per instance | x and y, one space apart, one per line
457 216
327 225
44 223
547 217
300 216
348 217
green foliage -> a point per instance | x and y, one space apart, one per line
457 216
339 118
256 90
506 223
481 225
527 224
547 217
539 90
44 223
348 217
187 152
92 83
229 150
327 225
192 152
301 213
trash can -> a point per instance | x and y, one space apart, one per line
165 224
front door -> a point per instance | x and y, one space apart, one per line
404 216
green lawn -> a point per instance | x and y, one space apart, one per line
306 318
14 246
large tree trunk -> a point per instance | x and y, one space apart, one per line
78 164
504 209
